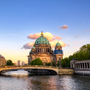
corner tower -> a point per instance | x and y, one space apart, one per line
58 52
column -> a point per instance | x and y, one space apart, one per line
89 64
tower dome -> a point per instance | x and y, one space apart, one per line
42 40
33 47
58 44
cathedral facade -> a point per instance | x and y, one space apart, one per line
42 49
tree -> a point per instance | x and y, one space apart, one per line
83 53
48 64
9 62
53 63
37 61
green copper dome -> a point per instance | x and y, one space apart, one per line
58 44
42 40
33 47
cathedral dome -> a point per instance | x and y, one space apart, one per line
33 47
42 40
58 44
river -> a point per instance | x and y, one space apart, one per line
20 80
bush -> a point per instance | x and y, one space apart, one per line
9 62
37 61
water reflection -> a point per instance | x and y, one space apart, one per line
16 73
53 82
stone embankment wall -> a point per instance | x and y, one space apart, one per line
65 71
82 71
81 67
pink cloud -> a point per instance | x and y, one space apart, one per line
34 36
52 38
28 45
47 35
77 36
53 43
63 27
57 37
59 27
68 45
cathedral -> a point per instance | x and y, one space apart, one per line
42 49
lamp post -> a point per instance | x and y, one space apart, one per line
59 62
51 61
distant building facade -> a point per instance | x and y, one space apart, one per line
19 63
42 49
2 60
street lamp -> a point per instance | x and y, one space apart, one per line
51 61
59 62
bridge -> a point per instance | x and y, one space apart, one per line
37 69
31 68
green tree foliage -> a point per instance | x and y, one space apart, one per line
37 61
83 53
53 63
49 64
65 62
9 62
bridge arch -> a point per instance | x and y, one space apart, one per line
44 69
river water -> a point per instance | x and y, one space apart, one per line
20 80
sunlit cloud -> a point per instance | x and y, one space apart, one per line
52 39
28 45
77 36
82 22
87 30
64 27
53 43
68 45
47 35
34 36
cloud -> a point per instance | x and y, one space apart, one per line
68 45
87 30
63 27
59 27
52 39
28 45
53 43
82 22
47 35
77 36
34 36
57 37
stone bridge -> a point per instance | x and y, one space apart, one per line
29 68
37 68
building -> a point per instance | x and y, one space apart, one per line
42 49
19 63
2 60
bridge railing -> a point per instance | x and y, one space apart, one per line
12 66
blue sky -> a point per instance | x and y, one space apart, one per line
20 18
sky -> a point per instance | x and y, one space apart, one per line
64 21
